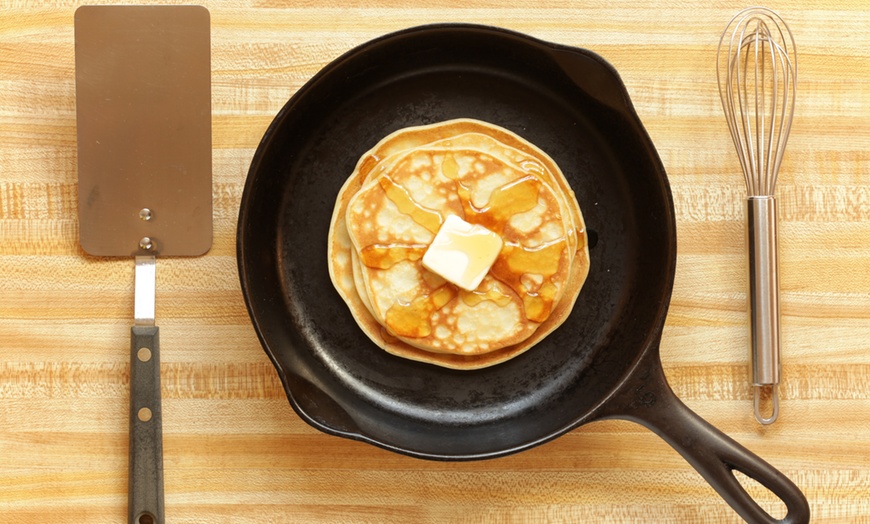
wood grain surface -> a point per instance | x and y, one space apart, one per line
234 449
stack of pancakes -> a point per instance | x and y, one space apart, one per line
393 205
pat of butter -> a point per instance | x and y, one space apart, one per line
462 253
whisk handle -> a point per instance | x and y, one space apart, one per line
764 299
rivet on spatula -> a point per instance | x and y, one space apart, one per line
144 354
145 214
146 243
144 414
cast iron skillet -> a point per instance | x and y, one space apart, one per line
602 363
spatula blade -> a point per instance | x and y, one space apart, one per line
143 115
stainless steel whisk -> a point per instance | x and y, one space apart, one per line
757 73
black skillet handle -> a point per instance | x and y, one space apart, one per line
145 505
647 399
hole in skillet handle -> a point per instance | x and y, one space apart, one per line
647 399
767 499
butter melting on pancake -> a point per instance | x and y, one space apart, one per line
390 209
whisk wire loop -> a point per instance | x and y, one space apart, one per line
756 71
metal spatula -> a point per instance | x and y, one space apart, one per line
143 113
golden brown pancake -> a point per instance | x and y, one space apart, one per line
392 205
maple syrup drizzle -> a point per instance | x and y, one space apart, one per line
450 167
542 260
413 319
516 260
518 196
506 201
473 298
582 240
400 196
367 164
384 256
531 166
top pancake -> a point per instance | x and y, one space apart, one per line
393 204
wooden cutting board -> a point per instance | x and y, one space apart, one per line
236 452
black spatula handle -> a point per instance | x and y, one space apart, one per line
146 428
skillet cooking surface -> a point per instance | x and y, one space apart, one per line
568 102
